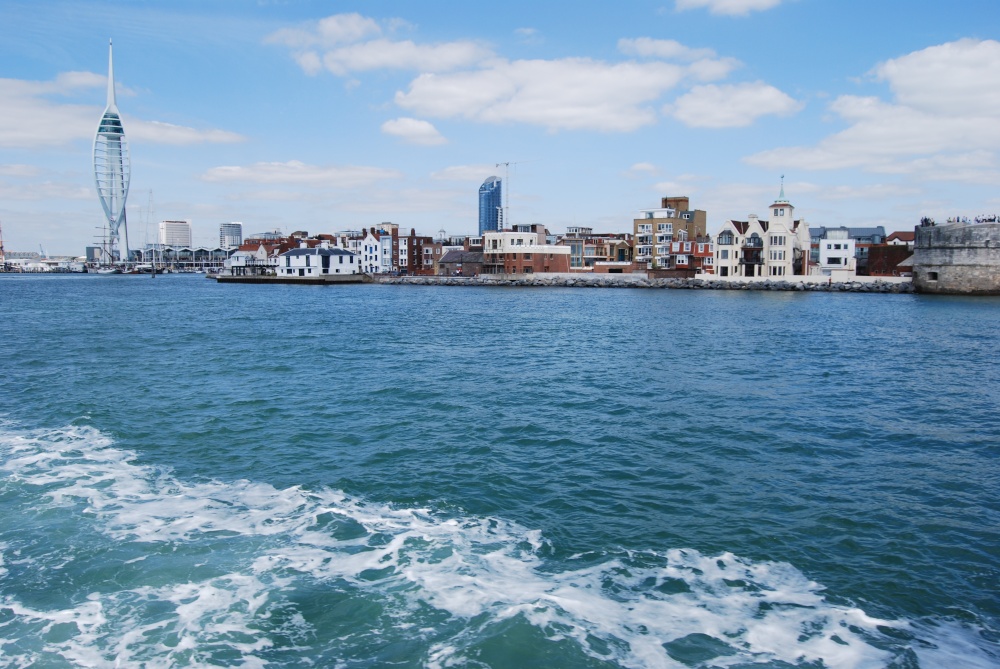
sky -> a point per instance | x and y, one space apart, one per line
326 116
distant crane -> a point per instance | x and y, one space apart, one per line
43 251
3 257
506 188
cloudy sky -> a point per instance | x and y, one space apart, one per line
325 116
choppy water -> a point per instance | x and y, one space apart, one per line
372 476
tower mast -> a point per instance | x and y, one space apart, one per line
112 169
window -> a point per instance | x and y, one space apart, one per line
724 254
527 256
932 276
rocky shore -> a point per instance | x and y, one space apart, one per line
630 281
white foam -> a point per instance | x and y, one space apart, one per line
481 570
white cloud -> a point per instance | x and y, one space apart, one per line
476 173
643 168
333 30
946 110
414 131
405 55
296 172
168 133
669 49
346 43
55 124
567 94
731 106
728 7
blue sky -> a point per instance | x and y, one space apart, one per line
325 116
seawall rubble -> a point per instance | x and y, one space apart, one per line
614 281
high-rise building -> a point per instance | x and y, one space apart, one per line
230 235
490 217
112 170
175 234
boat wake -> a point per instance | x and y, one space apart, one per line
104 560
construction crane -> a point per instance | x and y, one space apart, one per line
3 257
506 188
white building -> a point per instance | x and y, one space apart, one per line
175 233
231 235
758 248
318 261
251 263
837 254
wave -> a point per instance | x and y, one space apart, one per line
212 573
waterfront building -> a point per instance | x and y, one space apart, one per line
837 255
772 248
112 171
490 203
461 263
183 258
588 249
523 250
902 238
270 237
175 233
231 235
864 238
317 261
655 229
252 263
688 258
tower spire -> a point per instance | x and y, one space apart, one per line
781 195
112 104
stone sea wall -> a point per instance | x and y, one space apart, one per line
638 281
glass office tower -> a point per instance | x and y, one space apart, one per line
490 218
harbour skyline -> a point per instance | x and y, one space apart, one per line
398 113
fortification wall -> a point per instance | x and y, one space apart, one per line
961 259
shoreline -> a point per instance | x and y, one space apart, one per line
634 281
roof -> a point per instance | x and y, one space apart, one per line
318 251
853 233
461 257
902 236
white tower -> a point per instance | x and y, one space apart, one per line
112 170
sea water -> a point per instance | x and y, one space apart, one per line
194 474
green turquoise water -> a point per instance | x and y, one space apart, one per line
194 474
